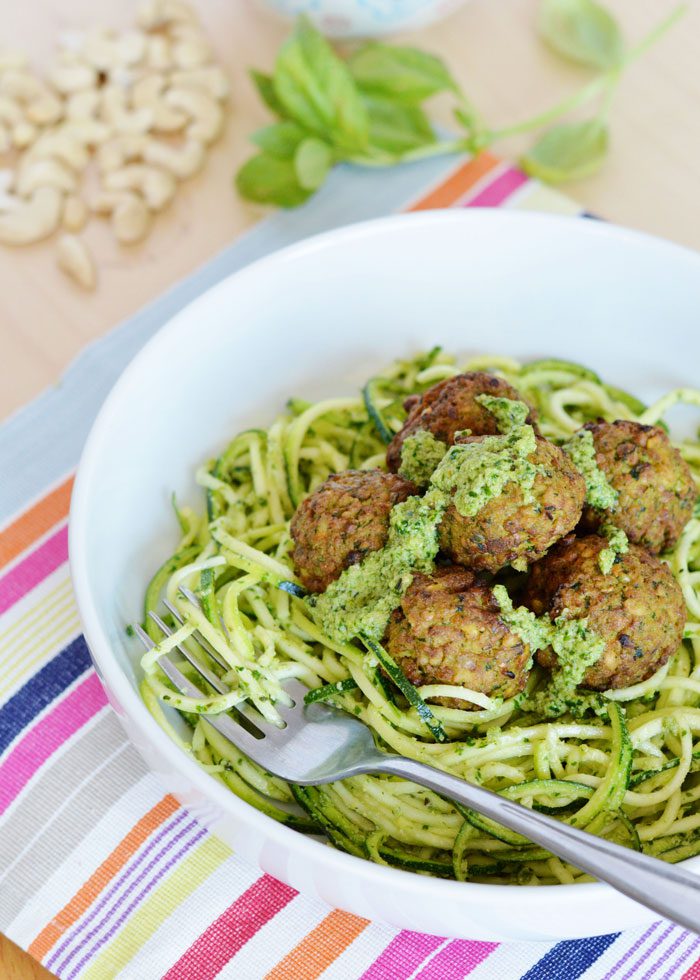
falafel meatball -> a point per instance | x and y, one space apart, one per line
655 486
637 608
450 406
448 630
341 521
508 529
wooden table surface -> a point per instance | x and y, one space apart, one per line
651 181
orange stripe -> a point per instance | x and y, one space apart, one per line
96 883
458 183
320 948
34 522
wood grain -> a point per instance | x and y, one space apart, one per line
650 182
16 965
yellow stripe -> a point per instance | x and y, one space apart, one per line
187 877
39 612
40 650
537 197
27 644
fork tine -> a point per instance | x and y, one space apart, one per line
294 689
201 668
237 734
205 644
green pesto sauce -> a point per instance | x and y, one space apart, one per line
420 455
618 544
508 412
475 473
581 450
533 630
363 598
577 648
365 595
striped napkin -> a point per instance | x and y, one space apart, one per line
101 874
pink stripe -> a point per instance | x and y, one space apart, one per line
403 956
48 735
499 189
34 569
220 942
456 960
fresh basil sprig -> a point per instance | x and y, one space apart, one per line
582 31
369 110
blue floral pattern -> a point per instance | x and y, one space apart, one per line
358 18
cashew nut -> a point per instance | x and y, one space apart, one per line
21 85
44 173
72 41
147 90
181 161
69 78
10 112
114 111
98 49
211 80
9 202
131 47
162 13
83 105
113 154
76 261
158 53
60 143
23 134
91 132
166 119
207 117
45 109
75 213
131 220
192 52
156 186
35 219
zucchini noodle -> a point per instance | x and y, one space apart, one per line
625 769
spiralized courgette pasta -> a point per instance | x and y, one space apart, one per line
625 771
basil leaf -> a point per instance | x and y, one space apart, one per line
269 180
266 90
280 139
568 152
396 128
582 31
317 91
312 161
402 74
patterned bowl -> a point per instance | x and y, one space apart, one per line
365 18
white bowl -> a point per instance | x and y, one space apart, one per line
365 18
315 320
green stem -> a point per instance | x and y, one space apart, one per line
608 80
571 102
680 11
438 148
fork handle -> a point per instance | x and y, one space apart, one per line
665 888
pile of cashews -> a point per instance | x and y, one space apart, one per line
140 107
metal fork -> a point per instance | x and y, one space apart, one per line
321 744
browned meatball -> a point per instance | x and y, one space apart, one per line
343 520
448 630
507 529
450 406
655 486
637 609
